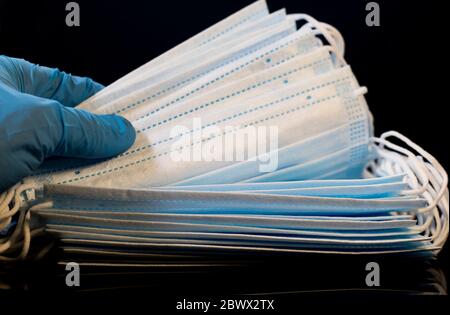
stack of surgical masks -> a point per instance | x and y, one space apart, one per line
252 136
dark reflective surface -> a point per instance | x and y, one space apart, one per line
225 275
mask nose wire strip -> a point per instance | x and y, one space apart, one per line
427 179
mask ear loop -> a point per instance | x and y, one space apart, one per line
389 163
415 168
320 28
433 162
433 219
338 38
328 30
13 203
439 227
393 159
409 165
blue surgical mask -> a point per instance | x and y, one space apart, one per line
72 217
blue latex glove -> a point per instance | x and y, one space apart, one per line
37 120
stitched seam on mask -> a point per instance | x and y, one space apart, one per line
234 116
212 69
222 76
228 202
302 224
63 197
233 26
398 223
232 94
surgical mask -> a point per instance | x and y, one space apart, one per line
248 15
157 97
274 55
155 73
237 81
319 216
122 217
261 73
326 107
200 62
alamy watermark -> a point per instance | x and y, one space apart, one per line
373 17
226 143
73 17
373 277
73 275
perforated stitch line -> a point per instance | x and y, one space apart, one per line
302 37
224 75
317 87
358 131
143 208
232 94
266 105
37 173
198 75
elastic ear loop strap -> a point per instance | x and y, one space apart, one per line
427 180
429 195
21 233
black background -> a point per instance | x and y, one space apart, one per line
403 62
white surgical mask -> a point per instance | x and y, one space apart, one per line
242 18
310 176
198 63
157 97
328 106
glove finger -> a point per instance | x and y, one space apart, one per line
86 135
49 83
47 128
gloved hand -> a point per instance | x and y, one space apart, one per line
37 120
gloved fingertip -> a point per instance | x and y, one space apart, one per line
96 87
87 135
123 131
